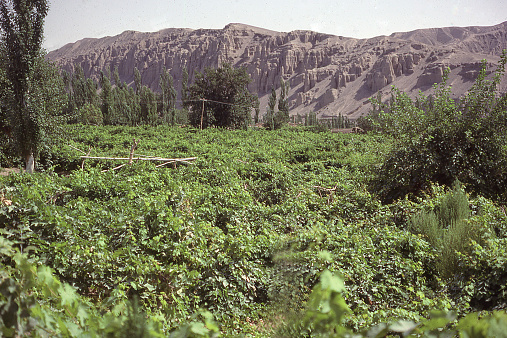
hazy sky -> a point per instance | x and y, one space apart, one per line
72 20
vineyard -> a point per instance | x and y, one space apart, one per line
234 242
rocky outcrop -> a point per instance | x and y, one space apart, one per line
389 67
326 73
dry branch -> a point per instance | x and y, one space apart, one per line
132 149
175 160
131 158
140 158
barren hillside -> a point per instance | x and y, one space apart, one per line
328 74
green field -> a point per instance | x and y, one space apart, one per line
243 235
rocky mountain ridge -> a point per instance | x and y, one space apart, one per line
328 74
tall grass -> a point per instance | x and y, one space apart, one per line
449 229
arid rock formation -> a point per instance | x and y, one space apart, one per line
328 74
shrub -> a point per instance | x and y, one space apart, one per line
453 207
450 230
441 141
426 223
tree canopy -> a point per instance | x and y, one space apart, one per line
442 140
220 97
29 77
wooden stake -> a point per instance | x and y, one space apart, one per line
134 145
202 113
82 163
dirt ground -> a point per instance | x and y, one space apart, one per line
7 171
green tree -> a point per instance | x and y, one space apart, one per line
90 114
283 102
133 109
168 97
78 84
440 140
148 105
269 119
184 85
137 80
21 24
257 110
220 97
106 96
277 119
116 77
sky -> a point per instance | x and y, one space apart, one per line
71 20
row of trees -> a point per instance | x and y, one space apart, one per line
36 98
276 119
218 98
116 103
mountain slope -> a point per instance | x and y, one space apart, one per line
328 74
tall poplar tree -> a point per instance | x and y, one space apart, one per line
283 102
168 96
137 80
22 25
107 99
269 120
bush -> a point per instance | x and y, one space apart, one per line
90 114
441 141
450 230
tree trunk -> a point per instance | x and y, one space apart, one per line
30 163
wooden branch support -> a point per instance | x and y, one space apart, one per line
88 154
77 149
115 168
132 149
188 159
175 160
202 113
132 158
329 191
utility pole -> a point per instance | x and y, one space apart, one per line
202 113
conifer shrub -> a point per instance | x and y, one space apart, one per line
453 207
450 229
427 224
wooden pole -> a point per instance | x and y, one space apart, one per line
88 154
134 145
202 113
141 158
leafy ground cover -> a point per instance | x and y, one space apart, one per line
235 243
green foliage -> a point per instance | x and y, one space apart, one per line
269 118
454 206
449 229
35 302
148 105
106 97
245 233
326 306
220 97
34 94
168 97
441 141
427 224
90 114
277 119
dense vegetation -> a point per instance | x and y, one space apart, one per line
443 140
244 233
290 232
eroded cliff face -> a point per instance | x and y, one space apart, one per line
328 74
